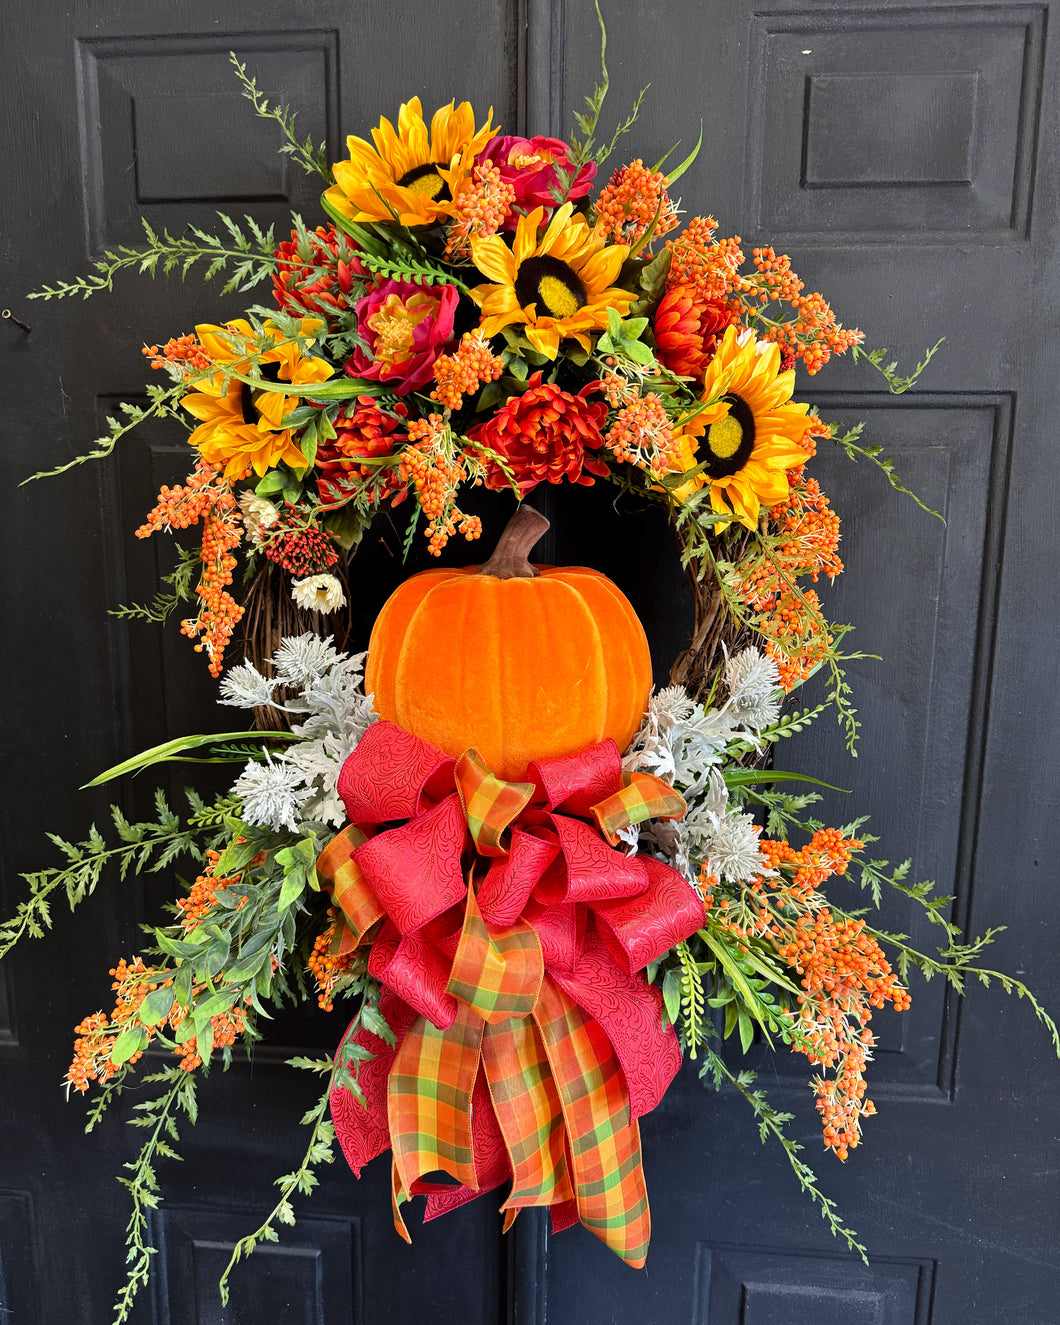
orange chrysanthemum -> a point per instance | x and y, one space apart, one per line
543 435
688 328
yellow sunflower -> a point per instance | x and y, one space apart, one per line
749 435
558 285
409 172
239 428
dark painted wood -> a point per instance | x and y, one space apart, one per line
906 157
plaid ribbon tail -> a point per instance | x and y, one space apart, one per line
604 1143
528 1110
398 1196
429 1100
642 796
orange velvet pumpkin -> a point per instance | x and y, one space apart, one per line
517 668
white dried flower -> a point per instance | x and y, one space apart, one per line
272 794
244 687
753 682
258 515
725 841
751 674
318 593
301 659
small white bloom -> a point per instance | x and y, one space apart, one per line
244 687
258 515
318 593
271 794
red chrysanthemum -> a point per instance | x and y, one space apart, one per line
316 273
364 431
543 436
687 330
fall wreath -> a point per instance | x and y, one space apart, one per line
536 883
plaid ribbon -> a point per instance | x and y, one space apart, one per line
519 985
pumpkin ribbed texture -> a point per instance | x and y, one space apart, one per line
519 669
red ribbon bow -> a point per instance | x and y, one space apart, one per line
509 936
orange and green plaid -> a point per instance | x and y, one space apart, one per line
643 796
490 805
342 877
604 1144
429 1100
528 1110
496 972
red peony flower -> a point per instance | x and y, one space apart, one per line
364 431
529 165
316 273
543 435
687 330
406 326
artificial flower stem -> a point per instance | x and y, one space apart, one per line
511 557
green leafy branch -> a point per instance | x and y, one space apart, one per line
145 847
157 1115
585 149
253 256
340 1072
163 404
165 604
311 158
848 441
896 382
771 1122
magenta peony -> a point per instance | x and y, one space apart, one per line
405 326
529 165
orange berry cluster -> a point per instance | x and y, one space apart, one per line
630 201
711 267
226 1026
431 465
96 1035
203 896
802 872
183 352
208 497
844 974
796 638
481 206
706 266
461 373
804 541
326 966
642 434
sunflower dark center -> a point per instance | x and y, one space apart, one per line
730 441
270 372
425 179
550 284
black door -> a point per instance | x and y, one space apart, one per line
906 157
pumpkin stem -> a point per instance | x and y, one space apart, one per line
510 560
